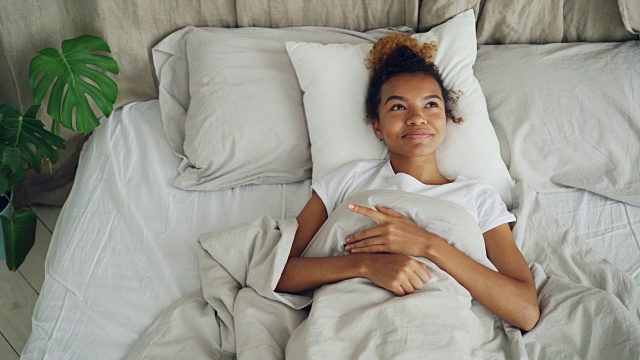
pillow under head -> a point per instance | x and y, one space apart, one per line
335 80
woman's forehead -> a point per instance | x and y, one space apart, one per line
415 84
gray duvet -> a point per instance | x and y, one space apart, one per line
590 310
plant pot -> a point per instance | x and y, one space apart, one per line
6 211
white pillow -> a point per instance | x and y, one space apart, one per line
567 114
231 105
334 80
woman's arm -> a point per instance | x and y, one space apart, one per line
509 293
310 220
398 273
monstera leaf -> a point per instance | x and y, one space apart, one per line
19 236
28 135
72 79
12 168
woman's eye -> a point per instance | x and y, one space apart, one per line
397 107
432 104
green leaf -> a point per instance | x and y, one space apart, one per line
15 176
10 157
32 112
9 110
19 236
29 136
72 81
6 133
4 183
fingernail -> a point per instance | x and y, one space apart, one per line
351 206
348 247
347 239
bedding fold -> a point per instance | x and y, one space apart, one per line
585 302
237 268
357 318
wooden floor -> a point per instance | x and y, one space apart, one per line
19 291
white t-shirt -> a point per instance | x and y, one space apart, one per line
481 200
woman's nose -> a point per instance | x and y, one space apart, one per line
416 118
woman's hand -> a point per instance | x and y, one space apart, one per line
397 273
394 234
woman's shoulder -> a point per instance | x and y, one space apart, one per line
334 187
478 188
350 173
360 166
462 180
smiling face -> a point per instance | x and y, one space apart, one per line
411 115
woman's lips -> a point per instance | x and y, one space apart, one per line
417 134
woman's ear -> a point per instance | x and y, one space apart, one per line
376 129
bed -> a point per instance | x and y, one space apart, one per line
143 264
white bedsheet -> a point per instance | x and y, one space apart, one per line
124 247
610 227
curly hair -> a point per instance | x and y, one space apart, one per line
397 54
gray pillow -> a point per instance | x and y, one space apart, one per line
231 104
567 114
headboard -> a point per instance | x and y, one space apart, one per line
541 22
133 27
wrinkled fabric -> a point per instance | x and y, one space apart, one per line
574 120
630 11
124 246
540 22
589 309
359 15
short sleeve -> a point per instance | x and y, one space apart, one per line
492 211
331 188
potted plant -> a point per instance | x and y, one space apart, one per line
73 75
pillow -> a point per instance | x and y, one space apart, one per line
334 80
231 105
567 114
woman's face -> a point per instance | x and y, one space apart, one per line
411 115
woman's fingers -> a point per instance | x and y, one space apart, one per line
393 233
407 288
367 246
412 282
373 243
370 213
363 235
399 274
378 215
388 211
369 240
424 273
416 281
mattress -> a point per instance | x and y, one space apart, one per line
124 246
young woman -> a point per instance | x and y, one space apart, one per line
408 107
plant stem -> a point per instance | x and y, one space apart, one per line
55 127
19 130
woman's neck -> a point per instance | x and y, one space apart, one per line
424 169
